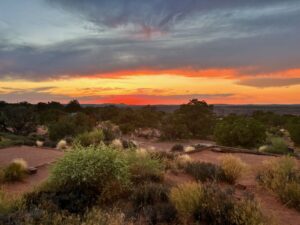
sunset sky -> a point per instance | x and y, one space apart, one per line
150 51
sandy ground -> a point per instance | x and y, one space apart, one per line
35 157
32 155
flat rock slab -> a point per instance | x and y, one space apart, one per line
32 155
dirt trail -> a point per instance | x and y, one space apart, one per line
35 157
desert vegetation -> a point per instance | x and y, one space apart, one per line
105 177
101 184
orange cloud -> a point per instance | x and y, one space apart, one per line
186 72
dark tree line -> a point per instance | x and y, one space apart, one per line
196 119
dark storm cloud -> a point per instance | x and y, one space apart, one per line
252 36
157 14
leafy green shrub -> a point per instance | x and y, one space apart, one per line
149 194
15 171
277 146
86 139
282 176
232 167
144 168
187 199
240 131
91 167
202 171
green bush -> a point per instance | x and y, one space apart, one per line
144 168
282 176
91 167
149 194
70 125
202 171
294 130
86 139
240 131
277 145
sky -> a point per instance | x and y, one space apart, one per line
150 52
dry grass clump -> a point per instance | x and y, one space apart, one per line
98 216
15 171
183 160
39 143
283 177
141 152
62 145
189 149
186 198
117 143
233 168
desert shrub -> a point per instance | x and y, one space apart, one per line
186 198
149 194
144 168
294 130
98 216
291 194
277 145
177 148
183 160
232 168
15 171
240 131
282 176
161 213
202 171
117 144
220 207
86 139
91 167
70 199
